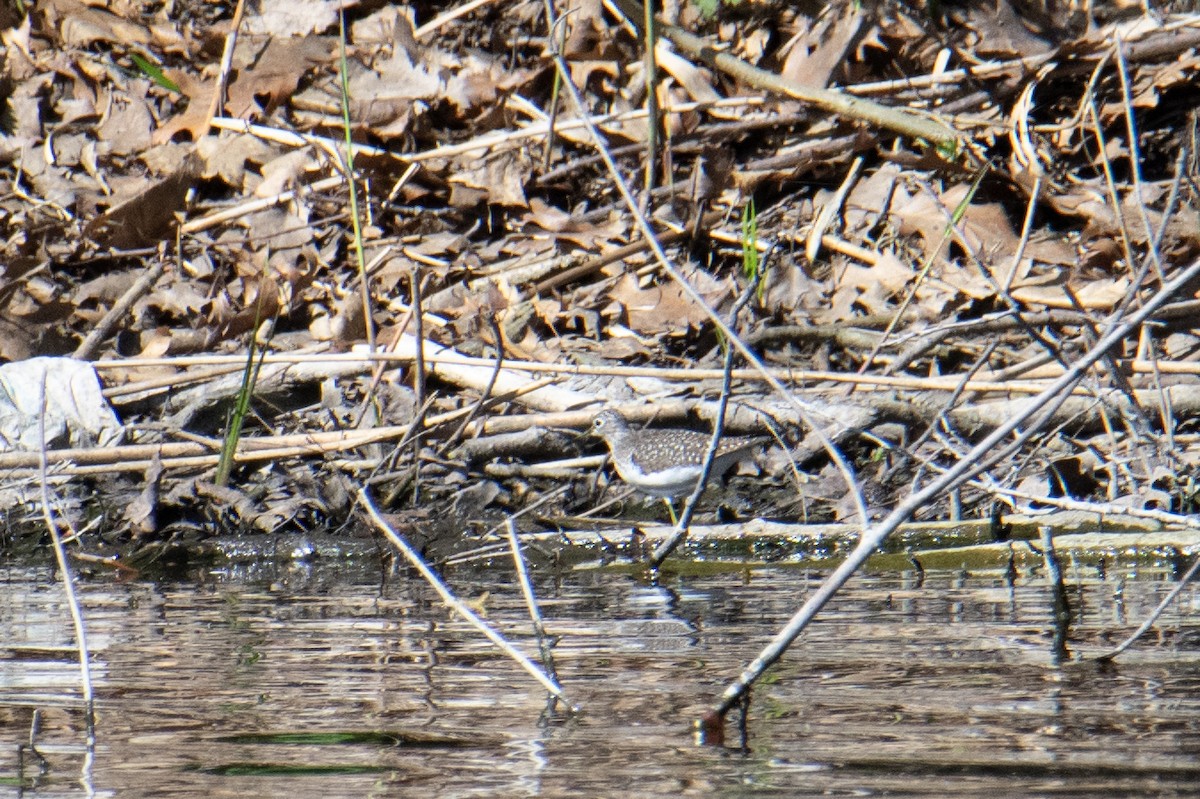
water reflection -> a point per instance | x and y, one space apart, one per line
943 686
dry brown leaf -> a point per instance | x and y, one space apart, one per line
280 228
985 226
870 198
791 288
382 98
569 228
180 300
283 172
812 56
585 40
275 74
966 280
287 18
395 89
103 291
146 217
226 157
869 288
582 71
501 177
751 46
194 119
54 185
1090 202
260 300
80 25
1000 32
658 309
127 123
162 159
16 343
1099 294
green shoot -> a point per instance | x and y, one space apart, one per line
241 408
154 73
363 278
751 263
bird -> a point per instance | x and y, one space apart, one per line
666 463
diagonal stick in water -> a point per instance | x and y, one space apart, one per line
458 607
966 468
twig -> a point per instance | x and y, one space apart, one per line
419 383
1153 617
35 729
68 581
653 116
485 396
242 210
1135 159
1058 592
535 614
490 141
88 348
807 414
458 607
345 159
964 469
1003 384
137 457
664 550
947 383
493 550
1110 181
894 119
448 17
830 210
218 96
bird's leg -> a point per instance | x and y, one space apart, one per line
671 510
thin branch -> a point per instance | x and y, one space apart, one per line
1153 617
844 105
535 613
963 470
459 607
805 413
68 581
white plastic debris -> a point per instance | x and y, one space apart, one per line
67 391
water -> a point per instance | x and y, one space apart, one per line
944 687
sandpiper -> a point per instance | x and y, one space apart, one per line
665 463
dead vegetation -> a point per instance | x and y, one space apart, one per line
954 203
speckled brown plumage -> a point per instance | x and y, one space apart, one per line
665 463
